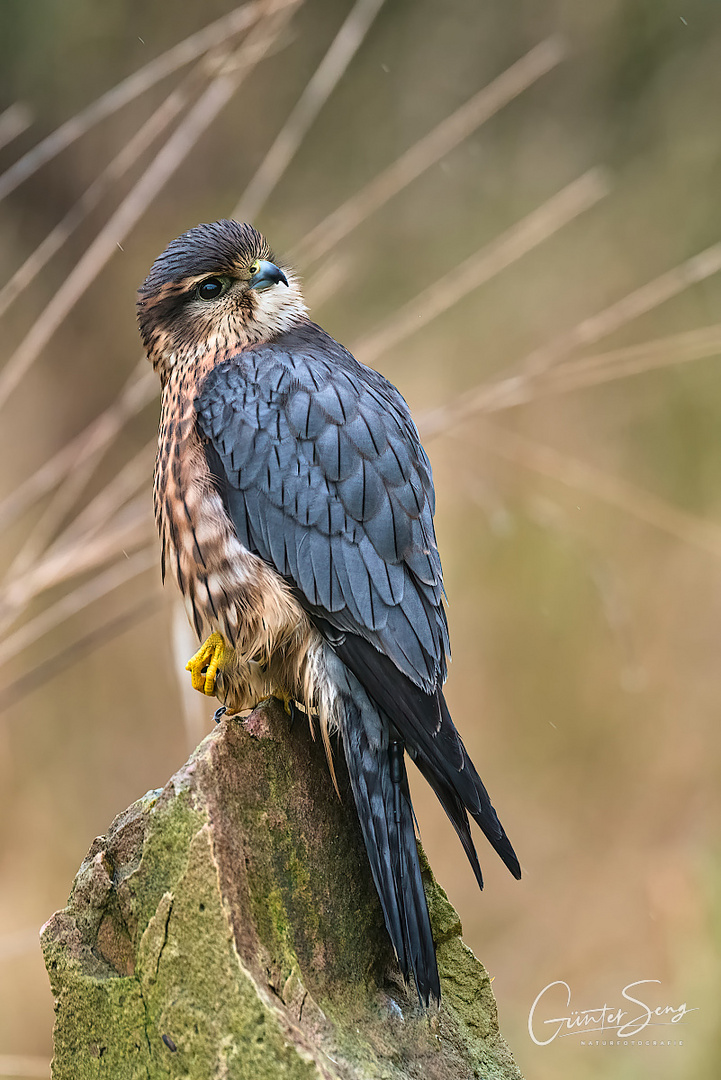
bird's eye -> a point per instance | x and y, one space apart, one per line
210 289
254 267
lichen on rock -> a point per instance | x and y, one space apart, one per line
227 927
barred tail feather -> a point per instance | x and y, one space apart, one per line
380 789
430 736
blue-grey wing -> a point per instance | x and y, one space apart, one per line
324 476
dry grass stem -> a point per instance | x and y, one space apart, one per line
646 507
164 164
77 651
94 440
120 573
63 499
636 359
430 149
324 80
490 260
620 364
194 707
131 152
166 113
101 510
183 53
140 389
14 121
535 376
97 513
589 371
331 276
132 529
629 307
107 503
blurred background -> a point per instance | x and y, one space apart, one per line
513 211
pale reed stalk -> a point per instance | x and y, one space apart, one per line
601 368
131 152
322 84
514 389
634 304
119 574
216 33
632 500
132 528
443 138
15 120
481 267
164 164
92 442
451 132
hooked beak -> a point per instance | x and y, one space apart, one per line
266 275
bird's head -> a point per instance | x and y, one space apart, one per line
217 288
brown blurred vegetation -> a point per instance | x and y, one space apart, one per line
580 529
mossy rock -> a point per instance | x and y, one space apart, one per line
227 928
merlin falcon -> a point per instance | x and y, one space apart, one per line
295 505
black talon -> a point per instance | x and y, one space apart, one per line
294 714
220 713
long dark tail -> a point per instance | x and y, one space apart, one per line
383 713
426 727
380 788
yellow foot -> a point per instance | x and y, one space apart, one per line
286 700
203 667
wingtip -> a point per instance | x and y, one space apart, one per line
511 860
504 849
